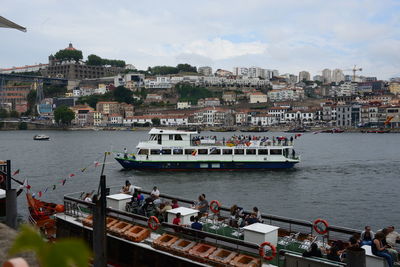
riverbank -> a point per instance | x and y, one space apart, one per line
203 129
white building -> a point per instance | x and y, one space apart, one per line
258 97
240 71
303 116
256 72
209 102
161 82
337 75
183 105
294 94
304 76
326 76
263 119
206 71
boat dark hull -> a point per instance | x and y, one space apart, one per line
207 165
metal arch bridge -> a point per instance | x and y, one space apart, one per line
37 81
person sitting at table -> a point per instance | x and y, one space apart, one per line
155 192
195 223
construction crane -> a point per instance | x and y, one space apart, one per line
354 70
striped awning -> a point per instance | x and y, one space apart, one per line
5 23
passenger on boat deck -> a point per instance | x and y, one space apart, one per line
202 206
389 248
128 188
392 237
175 204
379 250
125 153
357 238
313 252
367 236
155 192
195 223
255 209
251 219
177 219
156 201
162 210
236 213
353 243
88 197
334 254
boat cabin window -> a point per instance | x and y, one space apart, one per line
178 137
178 151
250 151
166 152
171 137
239 151
203 151
155 152
143 152
215 151
189 151
263 152
227 151
286 152
275 152
153 137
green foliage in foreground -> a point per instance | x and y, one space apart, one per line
22 126
63 253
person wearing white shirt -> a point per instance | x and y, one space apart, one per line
128 188
155 192
392 236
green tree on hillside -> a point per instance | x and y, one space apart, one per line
122 94
63 115
186 68
69 55
3 113
191 93
94 60
98 61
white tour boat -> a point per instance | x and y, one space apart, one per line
184 150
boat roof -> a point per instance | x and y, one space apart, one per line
166 131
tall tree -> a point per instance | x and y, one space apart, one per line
63 115
65 54
186 68
122 94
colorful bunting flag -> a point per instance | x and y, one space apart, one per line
40 194
54 187
96 163
63 182
84 169
16 172
71 175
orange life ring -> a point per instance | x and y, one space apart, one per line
215 210
153 223
262 252
317 229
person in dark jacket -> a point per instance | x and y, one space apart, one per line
313 252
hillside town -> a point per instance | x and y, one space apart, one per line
110 93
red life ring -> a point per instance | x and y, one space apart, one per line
153 223
262 252
2 178
317 229
215 209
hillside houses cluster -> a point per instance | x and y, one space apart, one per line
338 113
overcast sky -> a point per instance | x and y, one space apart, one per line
288 35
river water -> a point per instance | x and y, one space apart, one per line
349 179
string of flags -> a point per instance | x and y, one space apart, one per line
62 181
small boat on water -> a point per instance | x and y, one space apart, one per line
223 130
334 130
41 137
297 130
255 130
41 214
175 150
376 131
